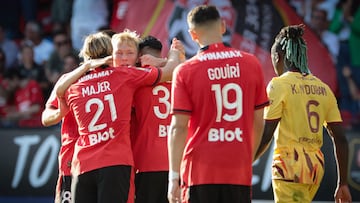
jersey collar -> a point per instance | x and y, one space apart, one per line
214 46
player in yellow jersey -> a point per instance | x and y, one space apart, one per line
300 105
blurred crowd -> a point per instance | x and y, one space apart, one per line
337 24
40 40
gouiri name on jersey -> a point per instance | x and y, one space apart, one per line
227 71
308 89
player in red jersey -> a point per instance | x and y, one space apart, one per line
101 102
217 104
69 135
150 123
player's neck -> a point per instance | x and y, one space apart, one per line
206 41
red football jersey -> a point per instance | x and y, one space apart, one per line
152 121
219 88
101 102
27 96
69 136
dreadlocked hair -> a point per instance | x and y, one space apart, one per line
291 43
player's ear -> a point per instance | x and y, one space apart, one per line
223 26
193 34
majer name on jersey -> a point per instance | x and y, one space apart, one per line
100 88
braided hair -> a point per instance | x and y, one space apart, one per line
289 41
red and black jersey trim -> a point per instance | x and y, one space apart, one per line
157 78
181 111
262 105
274 120
207 47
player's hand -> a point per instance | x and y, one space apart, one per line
174 191
108 60
178 45
149 60
342 194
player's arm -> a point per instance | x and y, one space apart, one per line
268 133
258 129
50 116
150 60
72 76
176 145
51 113
341 152
174 58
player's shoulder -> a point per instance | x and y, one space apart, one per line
188 64
250 59
279 82
318 81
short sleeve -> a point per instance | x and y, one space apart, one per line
333 113
180 99
276 97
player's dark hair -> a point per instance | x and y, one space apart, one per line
150 41
203 14
290 42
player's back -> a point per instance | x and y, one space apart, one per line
221 87
152 120
101 103
223 84
307 103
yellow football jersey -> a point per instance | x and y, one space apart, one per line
304 104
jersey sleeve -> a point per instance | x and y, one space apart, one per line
262 98
52 101
180 100
145 76
333 113
275 94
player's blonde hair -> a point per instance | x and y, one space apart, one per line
127 36
95 46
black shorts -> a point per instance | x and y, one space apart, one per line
109 184
63 190
213 193
151 187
